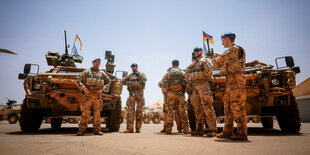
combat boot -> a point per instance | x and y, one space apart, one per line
224 135
163 130
80 133
242 137
98 133
197 133
169 129
211 134
137 130
128 131
185 132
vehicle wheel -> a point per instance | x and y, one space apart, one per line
145 119
289 117
267 122
121 120
30 119
113 122
13 119
191 116
56 123
156 120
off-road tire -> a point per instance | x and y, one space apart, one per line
191 116
267 122
289 117
30 119
121 120
146 120
156 120
56 123
13 119
113 122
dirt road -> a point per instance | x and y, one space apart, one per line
150 141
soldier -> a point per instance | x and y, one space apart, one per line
175 84
232 64
165 112
135 84
200 75
92 82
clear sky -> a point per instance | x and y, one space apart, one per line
150 33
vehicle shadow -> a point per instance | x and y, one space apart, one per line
60 131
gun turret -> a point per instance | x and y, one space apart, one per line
67 60
10 102
110 62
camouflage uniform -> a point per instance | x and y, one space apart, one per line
200 75
235 94
174 85
177 116
135 84
93 80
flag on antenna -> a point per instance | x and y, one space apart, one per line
74 50
77 38
205 51
207 37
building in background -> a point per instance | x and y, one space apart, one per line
302 93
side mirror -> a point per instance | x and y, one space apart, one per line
296 69
22 76
125 73
289 62
27 68
31 69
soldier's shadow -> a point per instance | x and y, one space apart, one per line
61 131
257 131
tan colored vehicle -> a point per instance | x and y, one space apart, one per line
269 93
152 113
10 113
56 94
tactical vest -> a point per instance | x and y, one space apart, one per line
176 80
198 72
94 80
134 83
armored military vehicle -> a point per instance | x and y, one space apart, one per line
56 94
269 93
10 112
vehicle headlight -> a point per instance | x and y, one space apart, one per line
36 85
275 82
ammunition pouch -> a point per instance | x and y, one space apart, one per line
198 76
93 82
133 85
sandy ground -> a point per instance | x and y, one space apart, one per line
150 141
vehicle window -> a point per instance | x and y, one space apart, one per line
68 72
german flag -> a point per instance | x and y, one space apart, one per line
207 37
77 38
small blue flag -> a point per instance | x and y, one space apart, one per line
74 50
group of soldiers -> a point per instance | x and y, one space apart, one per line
195 81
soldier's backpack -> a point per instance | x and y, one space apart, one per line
176 79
